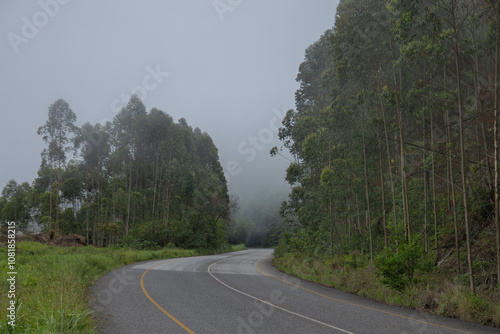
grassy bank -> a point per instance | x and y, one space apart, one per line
52 283
431 291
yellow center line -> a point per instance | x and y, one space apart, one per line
157 305
358 305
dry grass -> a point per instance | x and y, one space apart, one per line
434 292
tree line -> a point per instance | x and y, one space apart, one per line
395 135
141 180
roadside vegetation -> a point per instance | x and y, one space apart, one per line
53 282
429 289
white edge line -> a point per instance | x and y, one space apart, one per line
272 305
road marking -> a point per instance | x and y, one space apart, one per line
359 305
271 304
156 304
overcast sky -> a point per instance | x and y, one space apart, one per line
227 67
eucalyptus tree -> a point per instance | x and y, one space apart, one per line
95 148
72 191
128 153
58 132
157 129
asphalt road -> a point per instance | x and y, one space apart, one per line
243 293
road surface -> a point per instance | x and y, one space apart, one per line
242 292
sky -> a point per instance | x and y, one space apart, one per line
226 66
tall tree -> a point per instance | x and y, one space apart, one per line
58 132
127 127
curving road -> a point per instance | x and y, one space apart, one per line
243 293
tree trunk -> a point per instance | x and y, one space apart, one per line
384 209
381 164
389 165
495 135
453 201
359 224
87 223
434 199
94 229
486 154
75 213
167 204
367 191
404 187
462 149
58 183
87 207
50 201
426 237
155 181
127 222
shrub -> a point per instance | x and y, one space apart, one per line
281 250
398 268
137 243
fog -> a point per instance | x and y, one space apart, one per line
227 67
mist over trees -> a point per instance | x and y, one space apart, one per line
256 220
141 180
395 136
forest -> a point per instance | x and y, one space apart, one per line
142 181
395 142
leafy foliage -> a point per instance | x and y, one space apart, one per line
398 268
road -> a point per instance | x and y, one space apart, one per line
242 292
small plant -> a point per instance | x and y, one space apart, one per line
281 249
464 280
238 247
481 265
30 281
398 268
353 260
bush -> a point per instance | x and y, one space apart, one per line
137 243
281 250
398 268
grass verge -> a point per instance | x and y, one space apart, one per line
433 292
52 283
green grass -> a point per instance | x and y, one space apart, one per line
433 291
239 247
52 285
